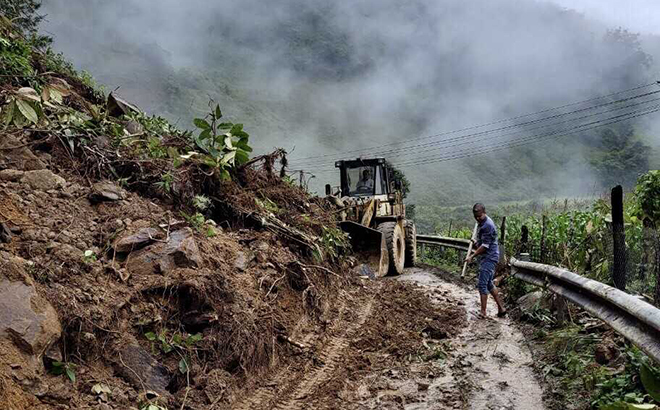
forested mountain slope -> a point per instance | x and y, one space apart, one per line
334 78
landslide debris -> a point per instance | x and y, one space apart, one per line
146 267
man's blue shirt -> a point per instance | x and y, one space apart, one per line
487 237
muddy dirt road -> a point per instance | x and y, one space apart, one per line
489 362
472 364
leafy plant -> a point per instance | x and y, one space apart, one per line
224 144
68 369
334 241
647 198
165 183
89 256
201 202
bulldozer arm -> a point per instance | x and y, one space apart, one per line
370 244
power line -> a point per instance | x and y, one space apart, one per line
536 138
487 124
432 146
483 149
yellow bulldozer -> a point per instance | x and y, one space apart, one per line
373 214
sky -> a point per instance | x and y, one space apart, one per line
641 16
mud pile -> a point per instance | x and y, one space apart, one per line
132 277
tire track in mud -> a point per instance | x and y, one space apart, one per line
287 387
324 370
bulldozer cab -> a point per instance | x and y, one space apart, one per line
364 178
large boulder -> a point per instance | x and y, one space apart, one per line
26 319
180 251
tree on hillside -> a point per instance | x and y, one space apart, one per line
24 14
397 175
620 156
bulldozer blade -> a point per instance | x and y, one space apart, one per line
370 244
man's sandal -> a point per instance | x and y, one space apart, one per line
502 314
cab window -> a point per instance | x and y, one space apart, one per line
361 181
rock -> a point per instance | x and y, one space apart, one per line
12 175
528 301
605 352
135 360
106 191
137 241
423 386
19 158
5 233
133 127
43 180
241 262
180 251
26 319
117 106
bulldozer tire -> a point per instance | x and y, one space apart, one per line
396 246
411 243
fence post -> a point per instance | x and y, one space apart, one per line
502 243
449 232
543 225
619 239
524 239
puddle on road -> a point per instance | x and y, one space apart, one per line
488 366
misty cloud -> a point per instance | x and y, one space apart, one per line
331 77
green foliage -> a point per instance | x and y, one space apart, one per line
196 220
224 144
334 242
167 344
636 386
89 256
201 202
61 368
15 58
398 175
647 198
24 15
267 205
621 157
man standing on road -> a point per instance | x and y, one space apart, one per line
487 248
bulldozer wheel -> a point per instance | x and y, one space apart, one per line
396 244
411 243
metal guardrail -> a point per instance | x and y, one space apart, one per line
631 317
460 244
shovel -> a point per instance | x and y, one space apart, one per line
469 251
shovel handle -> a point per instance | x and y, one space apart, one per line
474 234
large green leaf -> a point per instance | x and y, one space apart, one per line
241 157
71 374
28 112
183 366
236 129
202 124
651 382
218 113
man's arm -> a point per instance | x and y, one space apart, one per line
479 251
